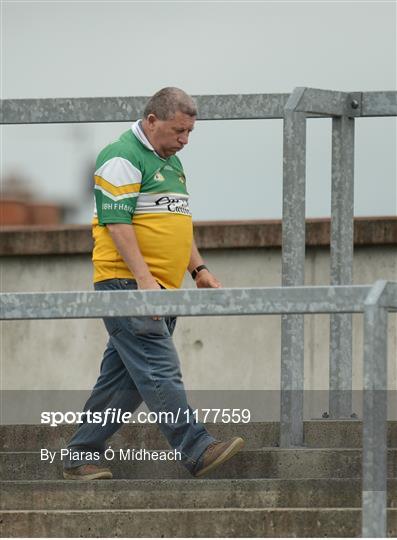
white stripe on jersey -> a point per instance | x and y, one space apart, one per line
119 172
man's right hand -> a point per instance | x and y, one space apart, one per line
149 283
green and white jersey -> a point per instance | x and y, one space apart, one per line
133 184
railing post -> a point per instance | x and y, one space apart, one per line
293 264
342 212
374 496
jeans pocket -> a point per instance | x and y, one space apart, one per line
148 327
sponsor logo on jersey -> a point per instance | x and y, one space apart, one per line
179 206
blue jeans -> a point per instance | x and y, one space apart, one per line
140 363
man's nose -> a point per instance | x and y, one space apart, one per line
183 138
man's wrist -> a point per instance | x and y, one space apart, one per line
198 269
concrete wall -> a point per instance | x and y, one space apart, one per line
217 353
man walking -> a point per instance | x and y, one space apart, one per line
143 238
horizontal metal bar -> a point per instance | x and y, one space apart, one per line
70 110
211 107
185 302
126 109
329 102
241 106
379 104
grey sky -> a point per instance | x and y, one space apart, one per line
234 169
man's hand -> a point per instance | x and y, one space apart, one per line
149 283
206 280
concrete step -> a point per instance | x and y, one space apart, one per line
263 463
318 434
215 522
177 494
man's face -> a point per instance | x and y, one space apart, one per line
169 136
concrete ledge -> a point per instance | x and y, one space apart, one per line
189 522
76 239
190 493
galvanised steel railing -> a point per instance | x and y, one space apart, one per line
211 107
294 109
343 107
374 302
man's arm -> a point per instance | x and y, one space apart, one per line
124 238
204 278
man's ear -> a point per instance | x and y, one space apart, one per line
151 119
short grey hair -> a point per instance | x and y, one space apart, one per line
167 101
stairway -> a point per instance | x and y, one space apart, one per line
264 491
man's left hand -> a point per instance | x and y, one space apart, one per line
206 280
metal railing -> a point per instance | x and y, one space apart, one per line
210 107
291 302
343 108
374 302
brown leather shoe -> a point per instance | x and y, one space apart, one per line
87 472
217 453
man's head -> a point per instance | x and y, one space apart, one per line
168 119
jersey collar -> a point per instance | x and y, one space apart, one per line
137 130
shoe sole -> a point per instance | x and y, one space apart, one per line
103 475
235 447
